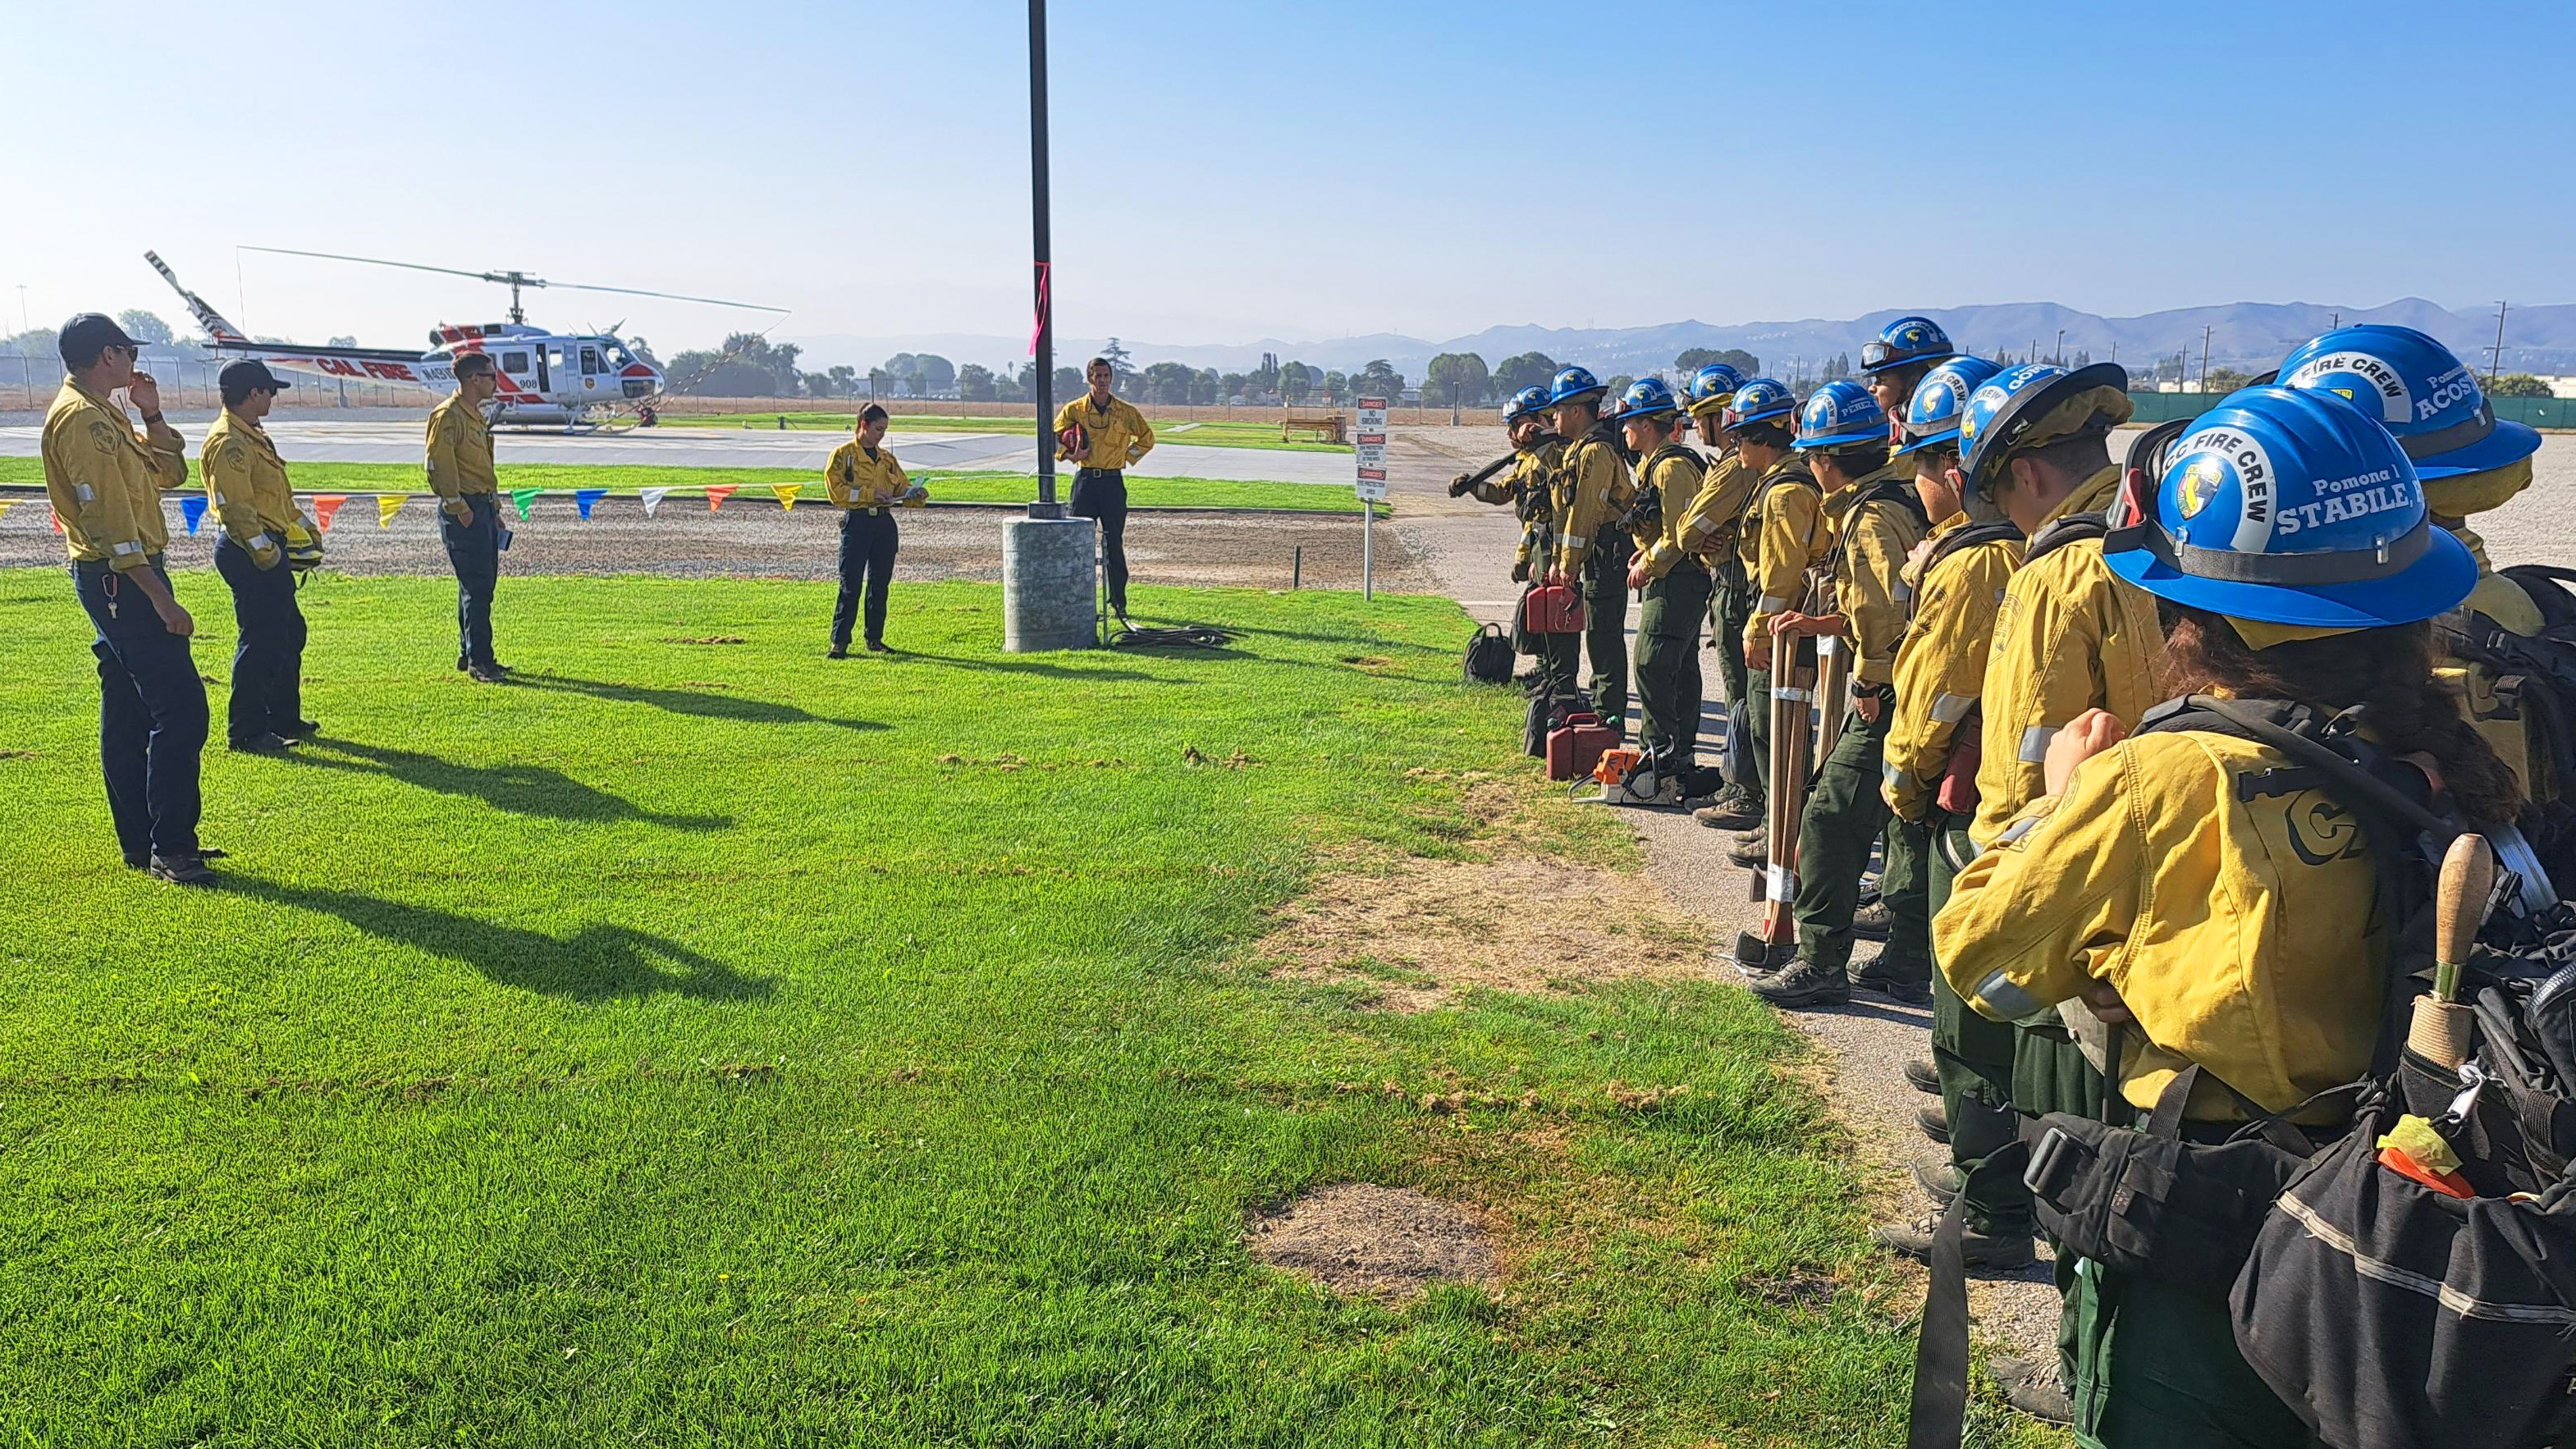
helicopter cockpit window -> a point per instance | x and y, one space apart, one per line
514 362
590 360
618 356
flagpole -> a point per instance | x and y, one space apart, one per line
1042 248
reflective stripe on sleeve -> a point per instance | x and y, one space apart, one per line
2007 999
1952 708
2013 833
1770 604
125 548
2034 744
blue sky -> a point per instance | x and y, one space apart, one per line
1227 171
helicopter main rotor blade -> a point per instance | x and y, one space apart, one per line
413 266
673 296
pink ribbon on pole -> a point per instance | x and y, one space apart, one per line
1037 329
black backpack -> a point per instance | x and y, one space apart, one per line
1489 656
2384 1313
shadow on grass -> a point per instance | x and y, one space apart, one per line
1106 675
599 962
689 701
519 789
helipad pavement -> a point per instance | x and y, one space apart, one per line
303 441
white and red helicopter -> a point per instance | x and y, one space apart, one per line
577 382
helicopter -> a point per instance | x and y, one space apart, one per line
547 378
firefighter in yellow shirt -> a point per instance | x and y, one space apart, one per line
105 482
1875 519
1958 575
1592 489
1103 436
1710 535
1783 535
2202 888
866 483
2069 637
1523 484
1672 584
246 484
2470 462
462 474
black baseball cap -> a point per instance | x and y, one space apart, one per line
249 374
86 336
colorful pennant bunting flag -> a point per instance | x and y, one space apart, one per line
653 499
324 506
787 494
55 519
717 493
194 510
5 505
583 498
387 505
522 497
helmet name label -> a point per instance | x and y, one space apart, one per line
2338 508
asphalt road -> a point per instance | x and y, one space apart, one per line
398 440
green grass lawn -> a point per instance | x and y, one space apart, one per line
960 487
708 1043
1211 433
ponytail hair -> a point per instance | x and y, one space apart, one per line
2387 672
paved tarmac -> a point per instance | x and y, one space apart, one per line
398 440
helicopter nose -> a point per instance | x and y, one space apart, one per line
640 381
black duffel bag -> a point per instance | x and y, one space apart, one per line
2391 1316
1489 656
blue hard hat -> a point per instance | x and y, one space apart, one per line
2292 506
1907 339
1714 384
1645 397
1761 399
2419 390
1528 400
1572 383
2007 405
1932 415
1841 415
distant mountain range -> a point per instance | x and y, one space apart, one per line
2247 335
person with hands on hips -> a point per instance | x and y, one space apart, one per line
867 485
105 481
1103 436
462 474
246 483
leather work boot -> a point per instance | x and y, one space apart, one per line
1922 1076
1914 1240
1903 976
1934 1121
1734 809
1805 983
182 869
2034 1385
1752 849
1937 1176
1872 922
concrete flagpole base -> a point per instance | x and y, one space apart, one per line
1049 585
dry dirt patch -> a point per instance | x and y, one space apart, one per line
1363 1240
1425 930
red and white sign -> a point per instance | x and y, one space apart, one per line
1370 445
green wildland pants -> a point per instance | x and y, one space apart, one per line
1730 603
2156 1367
1842 818
1974 1055
1605 624
2051 1074
1668 677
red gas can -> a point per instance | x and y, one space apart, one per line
1574 747
1552 609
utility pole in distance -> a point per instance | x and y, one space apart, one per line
2204 357
2495 354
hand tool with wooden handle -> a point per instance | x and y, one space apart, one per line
2442 1026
